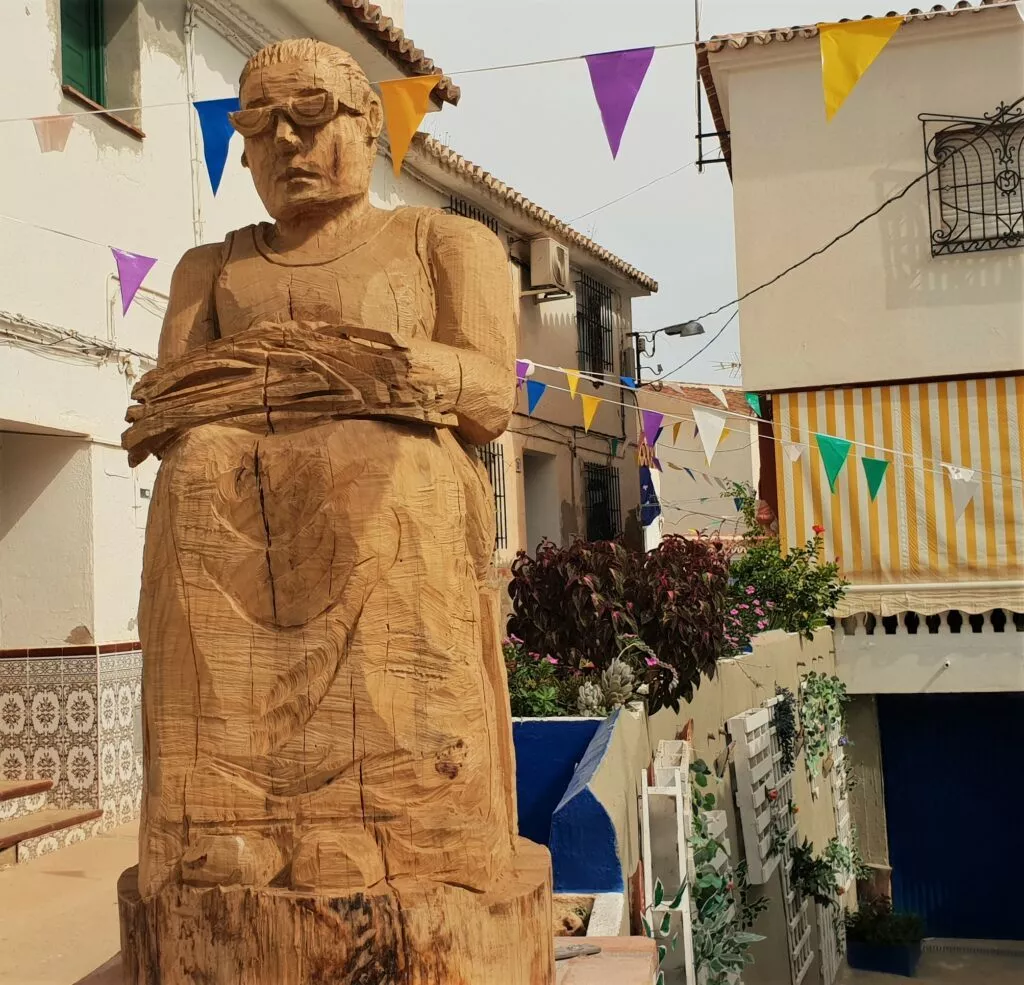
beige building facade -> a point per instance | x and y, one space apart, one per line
905 337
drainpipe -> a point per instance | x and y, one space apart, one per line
191 22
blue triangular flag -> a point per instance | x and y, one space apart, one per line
628 381
217 131
534 391
739 505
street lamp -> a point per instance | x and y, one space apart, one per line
684 330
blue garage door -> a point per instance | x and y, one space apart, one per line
954 797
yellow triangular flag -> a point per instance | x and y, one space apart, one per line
847 51
725 434
573 379
406 102
675 431
590 405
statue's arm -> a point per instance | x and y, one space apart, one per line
191 318
475 331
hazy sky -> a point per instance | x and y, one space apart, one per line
539 130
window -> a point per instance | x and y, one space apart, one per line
594 325
493 457
82 47
601 488
974 186
457 206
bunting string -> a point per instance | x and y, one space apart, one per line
916 461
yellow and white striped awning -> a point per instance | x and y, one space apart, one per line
909 535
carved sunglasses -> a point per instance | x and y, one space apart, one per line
312 110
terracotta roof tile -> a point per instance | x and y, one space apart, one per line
453 162
700 395
384 33
781 34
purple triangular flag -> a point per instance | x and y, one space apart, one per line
522 368
616 77
650 424
131 271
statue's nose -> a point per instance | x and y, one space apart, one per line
284 131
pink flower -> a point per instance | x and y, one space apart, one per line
651 661
744 606
761 624
818 529
551 660
750 589
758 611
734 612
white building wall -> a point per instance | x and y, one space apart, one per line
72 514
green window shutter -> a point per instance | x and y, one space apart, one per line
82 44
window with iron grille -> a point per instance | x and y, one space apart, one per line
975 199
493 457
594 325
601 488
458 206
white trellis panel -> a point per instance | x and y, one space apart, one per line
830 943
798 925
756 762
671 771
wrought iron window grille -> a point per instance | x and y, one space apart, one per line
493 457
594 325
459 206
975 199
603 505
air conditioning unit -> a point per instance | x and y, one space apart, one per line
549 265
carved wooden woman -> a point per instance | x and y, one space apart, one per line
325 706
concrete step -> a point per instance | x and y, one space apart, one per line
43 822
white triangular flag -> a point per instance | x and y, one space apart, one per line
718 392
710 424
793 450
964 486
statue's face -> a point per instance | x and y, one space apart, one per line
305 144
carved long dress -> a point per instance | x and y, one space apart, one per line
321 654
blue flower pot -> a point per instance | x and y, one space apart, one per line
890 959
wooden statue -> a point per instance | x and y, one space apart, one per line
330 776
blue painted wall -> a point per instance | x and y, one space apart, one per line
584 846
547 751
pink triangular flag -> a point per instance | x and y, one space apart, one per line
131 271
52 132
616 77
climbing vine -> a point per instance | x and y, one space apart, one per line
821 712
784 715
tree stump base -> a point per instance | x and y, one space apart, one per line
407 934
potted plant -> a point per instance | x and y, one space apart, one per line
879 939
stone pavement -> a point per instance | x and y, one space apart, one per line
58 913
59 925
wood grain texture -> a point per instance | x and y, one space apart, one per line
327 733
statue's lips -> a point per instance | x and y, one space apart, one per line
297 174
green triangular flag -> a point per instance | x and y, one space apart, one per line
874 472
755 403
833 454
615 447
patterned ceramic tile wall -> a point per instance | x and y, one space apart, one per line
120 737
75 720
48 725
